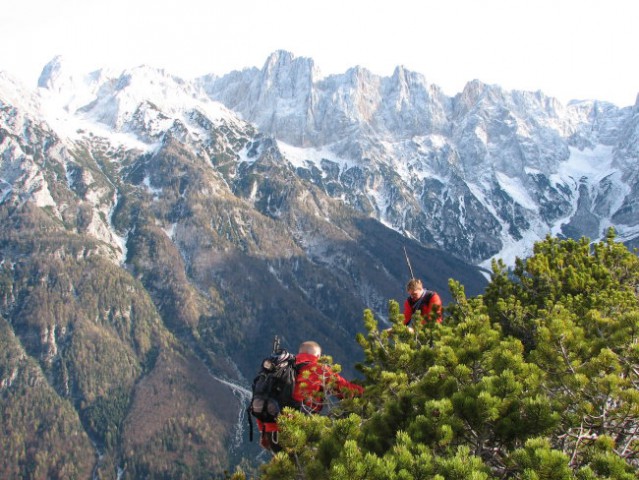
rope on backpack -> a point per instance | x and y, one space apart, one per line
248 417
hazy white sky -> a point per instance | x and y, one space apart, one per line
570 49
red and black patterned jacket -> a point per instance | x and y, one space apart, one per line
314 382
426 307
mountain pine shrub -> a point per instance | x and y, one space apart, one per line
536 379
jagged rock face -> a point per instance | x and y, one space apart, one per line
516 165
482 174
626 155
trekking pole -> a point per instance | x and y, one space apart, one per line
408 262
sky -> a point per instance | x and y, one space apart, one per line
568 49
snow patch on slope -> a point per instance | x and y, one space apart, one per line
514 188
304 157
587 166
593 164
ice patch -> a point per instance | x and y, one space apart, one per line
516 191
593 164
300 157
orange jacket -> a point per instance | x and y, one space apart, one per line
426 308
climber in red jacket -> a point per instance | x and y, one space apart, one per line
315 381
423 300
313 384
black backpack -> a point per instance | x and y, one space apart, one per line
273 387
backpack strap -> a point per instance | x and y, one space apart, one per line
428 294
299 366
248 417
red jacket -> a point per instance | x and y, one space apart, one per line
426 308
309 387
312 387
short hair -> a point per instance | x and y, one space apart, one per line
414 284
310 347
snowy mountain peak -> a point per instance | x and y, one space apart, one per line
287 76
283 59
402 75
51 72
359 75
481 174
494 167
477 93
65 78
133 109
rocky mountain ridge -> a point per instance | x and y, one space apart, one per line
482 174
